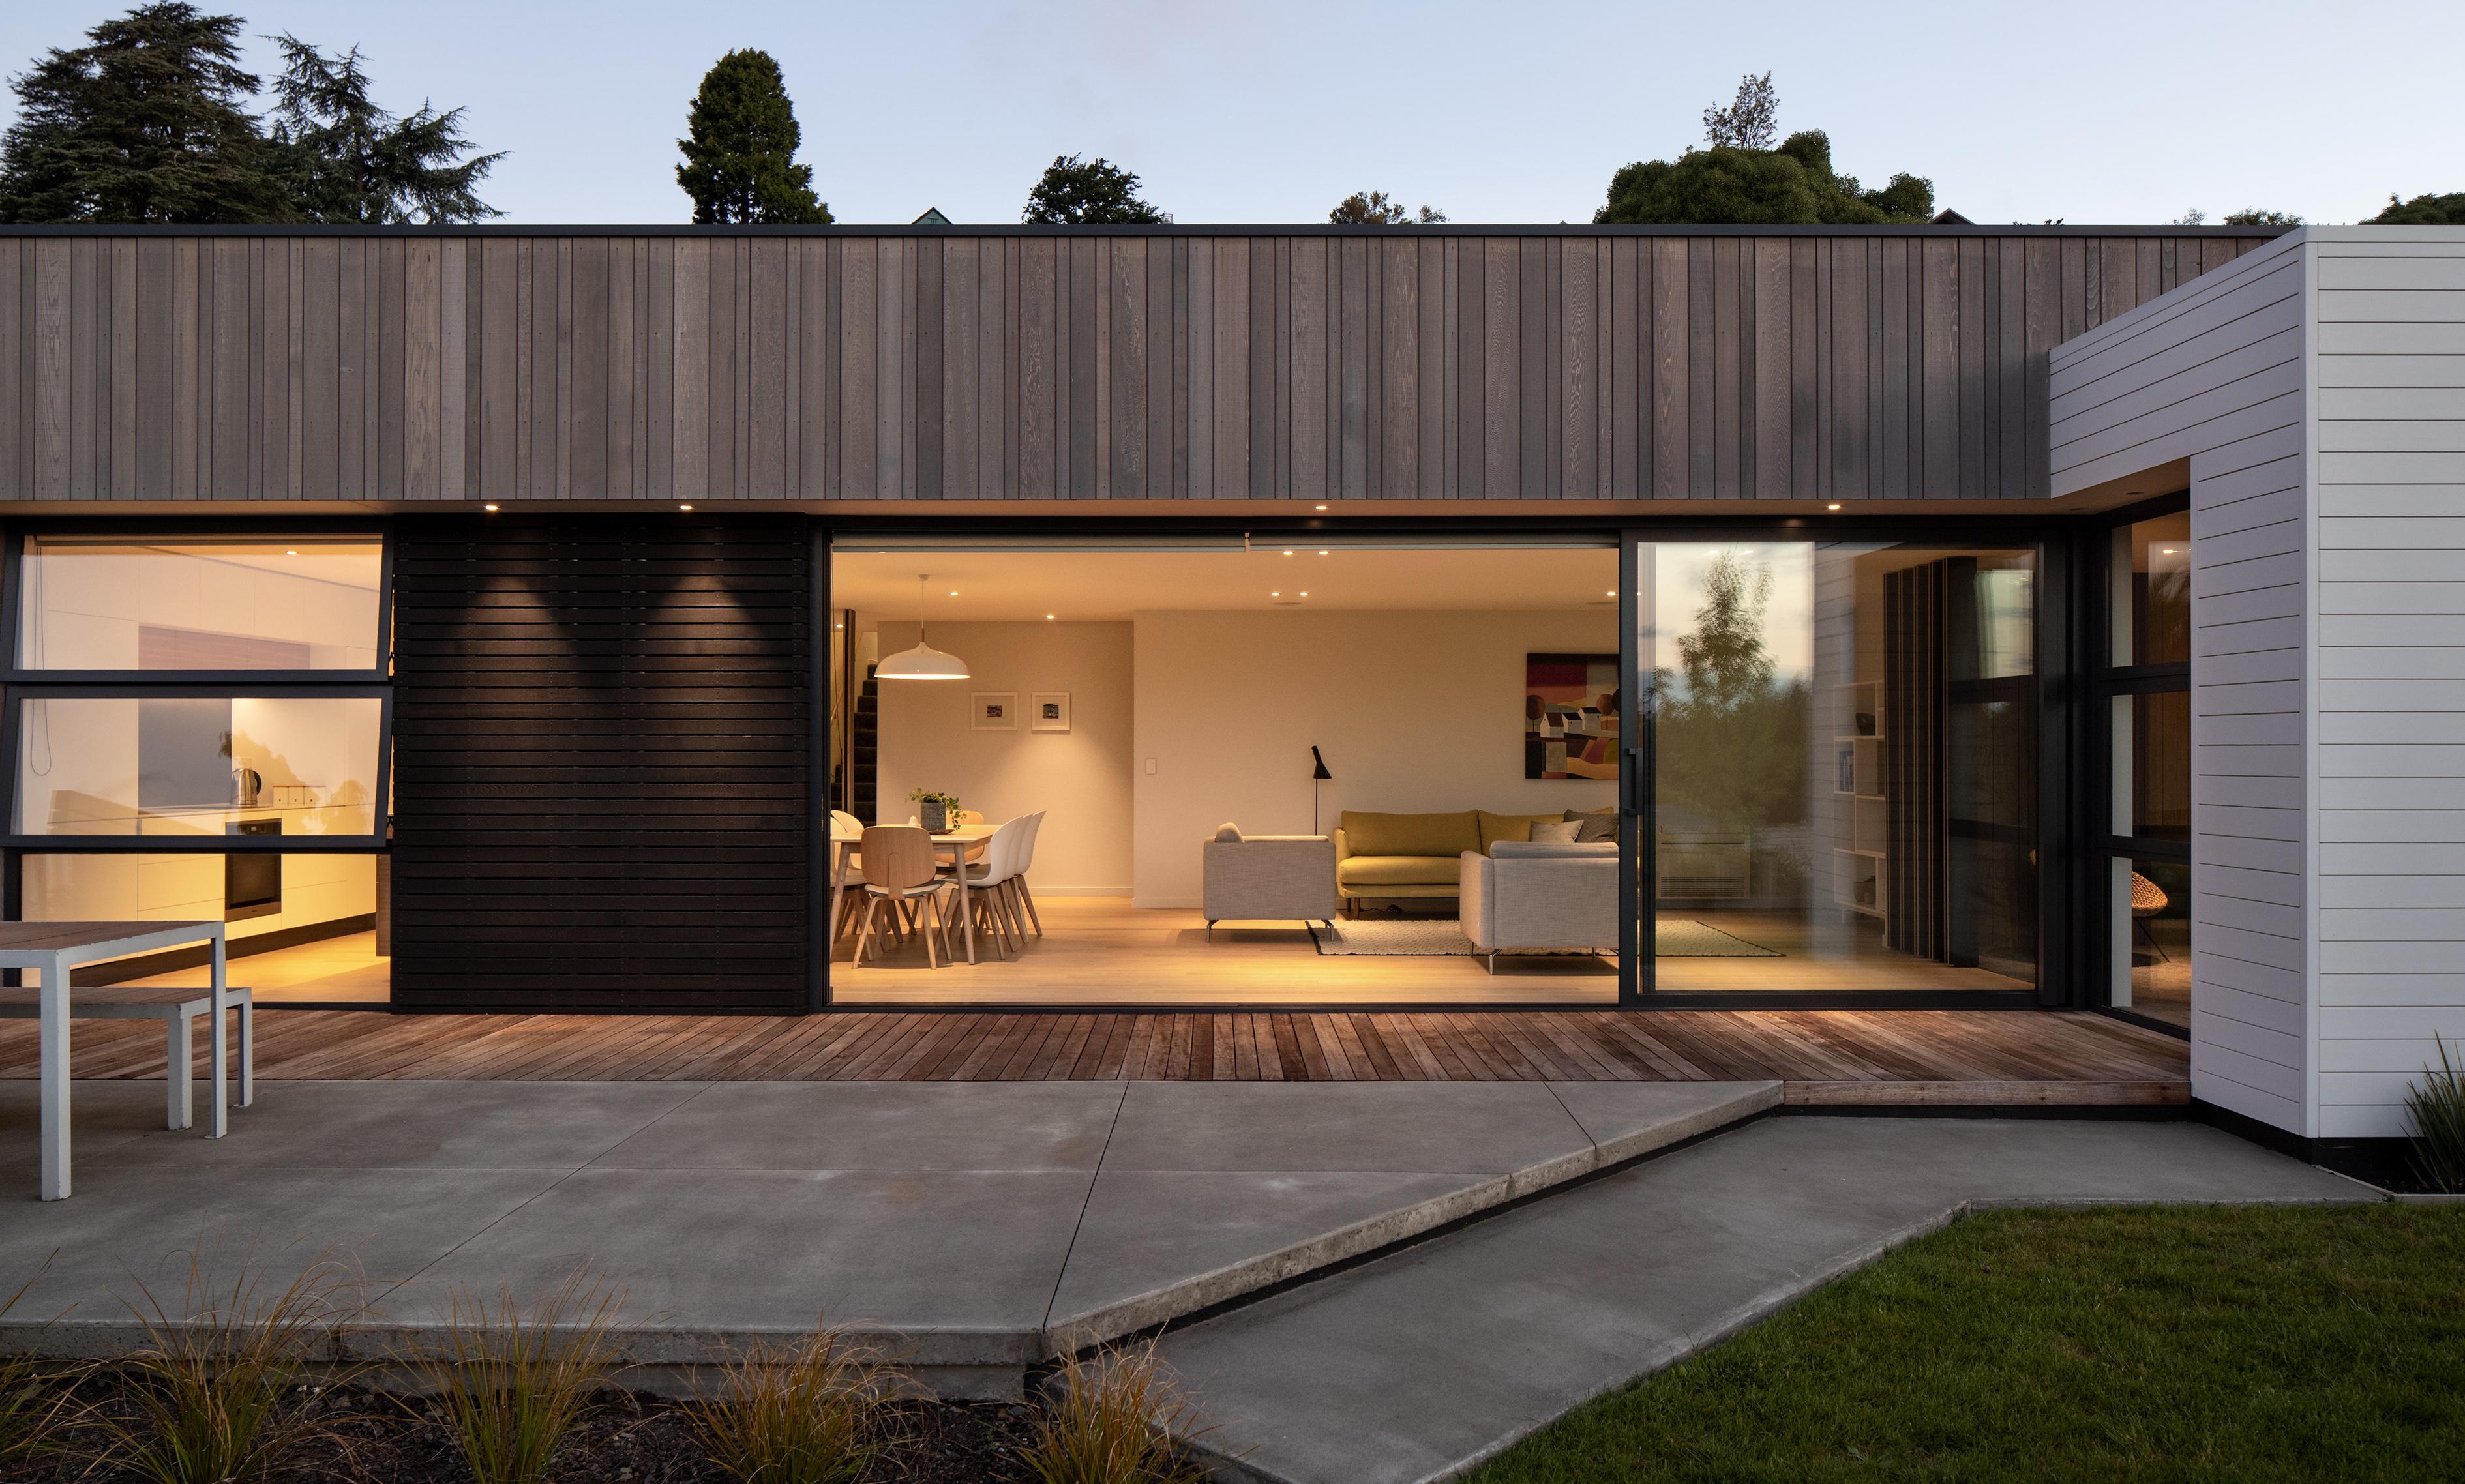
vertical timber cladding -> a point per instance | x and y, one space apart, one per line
601 767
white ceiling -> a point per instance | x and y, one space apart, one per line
1079 584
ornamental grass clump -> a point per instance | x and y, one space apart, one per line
30 1397
512 1383
2438 1105
1115 1419
216 1394
812 1412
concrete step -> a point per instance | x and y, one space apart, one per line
1228 1188
1419 1364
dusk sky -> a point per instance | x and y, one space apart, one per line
1235 111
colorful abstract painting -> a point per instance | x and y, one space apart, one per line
1570 716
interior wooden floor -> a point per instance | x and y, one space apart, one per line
1862 1057
1100 951
344 970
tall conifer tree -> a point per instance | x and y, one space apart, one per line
343 159
147 122
740 148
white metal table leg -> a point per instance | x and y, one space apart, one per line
248 1051
178 1048
217 1119
54 1036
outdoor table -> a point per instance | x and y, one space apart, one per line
52 949
956 844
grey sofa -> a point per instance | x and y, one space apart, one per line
1540 897
1269 878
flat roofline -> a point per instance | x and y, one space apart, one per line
1171 230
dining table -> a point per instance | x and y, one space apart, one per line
51 950
956 846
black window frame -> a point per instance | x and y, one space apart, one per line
2048 539
2048 535
2103 682
19 683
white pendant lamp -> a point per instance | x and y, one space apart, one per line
923 662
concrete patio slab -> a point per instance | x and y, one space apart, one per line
880 1126
421 1125
947 1268
1237 1228
1484 1127
131 1229
1418 1365
101 1115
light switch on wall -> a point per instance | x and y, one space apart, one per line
1150 765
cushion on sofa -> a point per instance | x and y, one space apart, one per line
1495 828
1597 824
1398 870
1412 834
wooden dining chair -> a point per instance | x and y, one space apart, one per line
900 870
1026 860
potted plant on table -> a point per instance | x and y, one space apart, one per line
939 812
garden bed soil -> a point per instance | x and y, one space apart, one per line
370 1438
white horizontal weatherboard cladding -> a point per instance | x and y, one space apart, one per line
2231 347
2388 422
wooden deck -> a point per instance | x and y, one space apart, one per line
1950 1057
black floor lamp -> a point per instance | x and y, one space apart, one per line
1317 775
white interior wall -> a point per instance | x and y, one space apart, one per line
1414 711
1079 778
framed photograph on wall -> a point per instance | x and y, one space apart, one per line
995 711
1048 711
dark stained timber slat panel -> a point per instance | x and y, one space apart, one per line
1497 365
600 763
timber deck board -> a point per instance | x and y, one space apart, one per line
1847 1057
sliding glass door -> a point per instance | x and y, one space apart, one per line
1833 787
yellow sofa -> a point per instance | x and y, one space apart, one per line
1386 856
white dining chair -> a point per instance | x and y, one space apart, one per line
991 882
851 880
1026 860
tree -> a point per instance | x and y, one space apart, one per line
740 148
342 159
1076 193
1372 208
2254 216
1730 734
1793 183
2425 210
147 122
1750 121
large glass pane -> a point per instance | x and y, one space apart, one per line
2152 765
2152 591
301 927
2150 937
1844 790
190 766
91 603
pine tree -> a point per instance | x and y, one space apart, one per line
1077 193
343 159
148 122
740 146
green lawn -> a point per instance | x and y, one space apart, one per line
2204 1343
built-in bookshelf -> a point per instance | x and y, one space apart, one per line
1857 863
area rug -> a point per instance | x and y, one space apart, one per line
1674 938
1683 937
